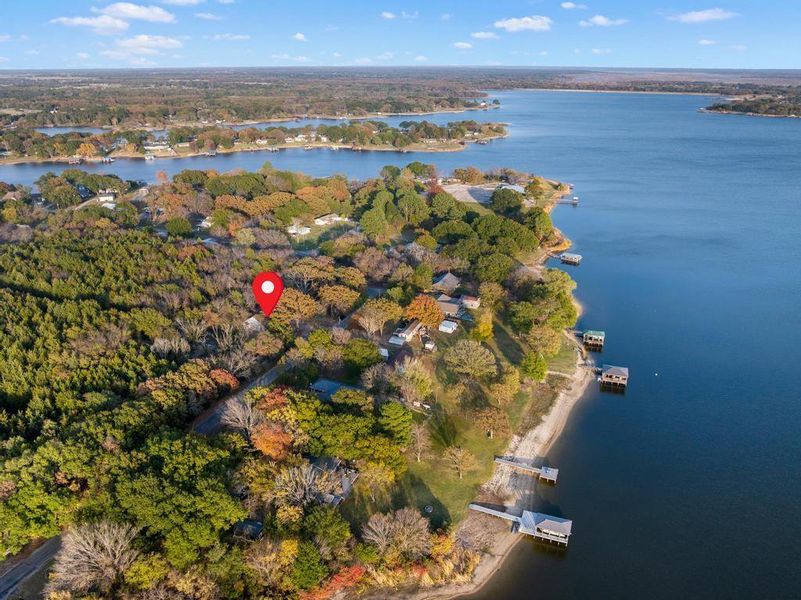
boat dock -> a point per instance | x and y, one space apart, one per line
570 259
574 201
546 474
614 378
541 527
594 339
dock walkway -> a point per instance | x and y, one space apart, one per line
548 474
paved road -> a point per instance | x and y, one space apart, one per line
211 421
38 559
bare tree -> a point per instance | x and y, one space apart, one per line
376 378
242 416
176 346
93 556
404 532
461 459
226 336
298 485
421 440
194 330
237 360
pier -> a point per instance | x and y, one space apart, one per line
546 474
541 527
570 259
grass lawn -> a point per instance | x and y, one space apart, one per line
565 360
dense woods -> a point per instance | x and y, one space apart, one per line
121 326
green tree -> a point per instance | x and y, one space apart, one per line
309 569
506 201
495 267
179 227
359 354
470 359
396 420
534 366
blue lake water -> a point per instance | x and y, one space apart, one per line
688 486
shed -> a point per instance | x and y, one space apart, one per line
254 324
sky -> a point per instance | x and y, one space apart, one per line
41 34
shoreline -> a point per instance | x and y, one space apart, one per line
457 147
538 441
738 113
251 122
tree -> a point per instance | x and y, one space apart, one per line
483 329
179 227
396 420
272 440
426 310
506 201
491 294
338 298
444 206
353 398
329 531
93 557
504 391
402 534
545 340
87 150
420 440
309 569
359 354
376 312
534 366
494 267
413 379
374 222
241 415
309 273
296 307
471 359
461 459
413 208
492 420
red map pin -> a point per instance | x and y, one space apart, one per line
267 288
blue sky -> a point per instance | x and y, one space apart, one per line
196 33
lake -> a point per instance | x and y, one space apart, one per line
688 485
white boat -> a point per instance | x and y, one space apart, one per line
149 157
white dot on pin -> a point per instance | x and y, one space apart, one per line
268 287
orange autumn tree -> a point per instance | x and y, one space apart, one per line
426 310
272 440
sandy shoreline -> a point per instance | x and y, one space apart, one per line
536 442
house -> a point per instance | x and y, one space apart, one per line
429 345
254 324
449 306
84 192
383 352
410 331
106 196
325 388
109 205
159 146
447 282
298 230
472 302
448 326
248 529
339 475
515 188
328 219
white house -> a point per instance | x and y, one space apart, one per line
328 219
470 301
296 229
